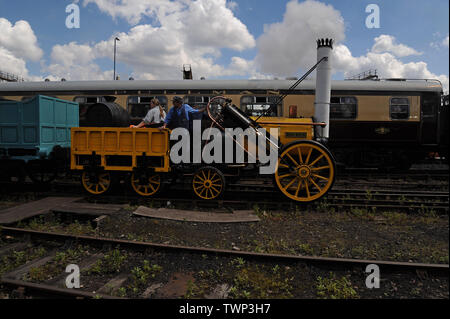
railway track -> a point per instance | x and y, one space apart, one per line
185 258
369 177
264 195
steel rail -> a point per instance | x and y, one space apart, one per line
54 291
139 245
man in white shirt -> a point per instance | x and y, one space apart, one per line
154 116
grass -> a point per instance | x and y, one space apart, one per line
57 265
335 288
140 276
53 224
110 263
261 283
18 258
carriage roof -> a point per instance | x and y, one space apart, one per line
143 85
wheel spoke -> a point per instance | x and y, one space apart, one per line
292 182
299 151
298 188
286 175
293 160
316 160
215 189
320 168
317 186
154 183
321 177
309 155
307 189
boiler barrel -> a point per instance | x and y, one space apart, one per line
107 115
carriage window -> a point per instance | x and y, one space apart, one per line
430 102
258 105
399 108
197 101
292 111
92 99
138 106
343 107
84 103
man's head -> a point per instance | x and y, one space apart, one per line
177 101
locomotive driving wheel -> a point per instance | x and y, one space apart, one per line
96 183
305 171
147 184
208 183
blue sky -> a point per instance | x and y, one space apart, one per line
419 25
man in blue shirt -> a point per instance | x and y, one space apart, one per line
181 115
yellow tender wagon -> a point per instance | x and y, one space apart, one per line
98 152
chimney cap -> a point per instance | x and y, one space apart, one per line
325 43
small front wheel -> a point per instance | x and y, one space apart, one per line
208 183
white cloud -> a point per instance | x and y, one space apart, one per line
134 10
439 43
211 23
18 44
72 53
19 39
75 62
289 45
11 64
232 5
386 64
86 72
386 43
191 32
445 42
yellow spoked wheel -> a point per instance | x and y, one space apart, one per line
146 186
96 184
208 183
305 171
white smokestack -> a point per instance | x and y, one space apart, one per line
323 88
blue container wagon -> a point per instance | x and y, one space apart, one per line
35 137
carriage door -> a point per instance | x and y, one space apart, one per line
429 118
